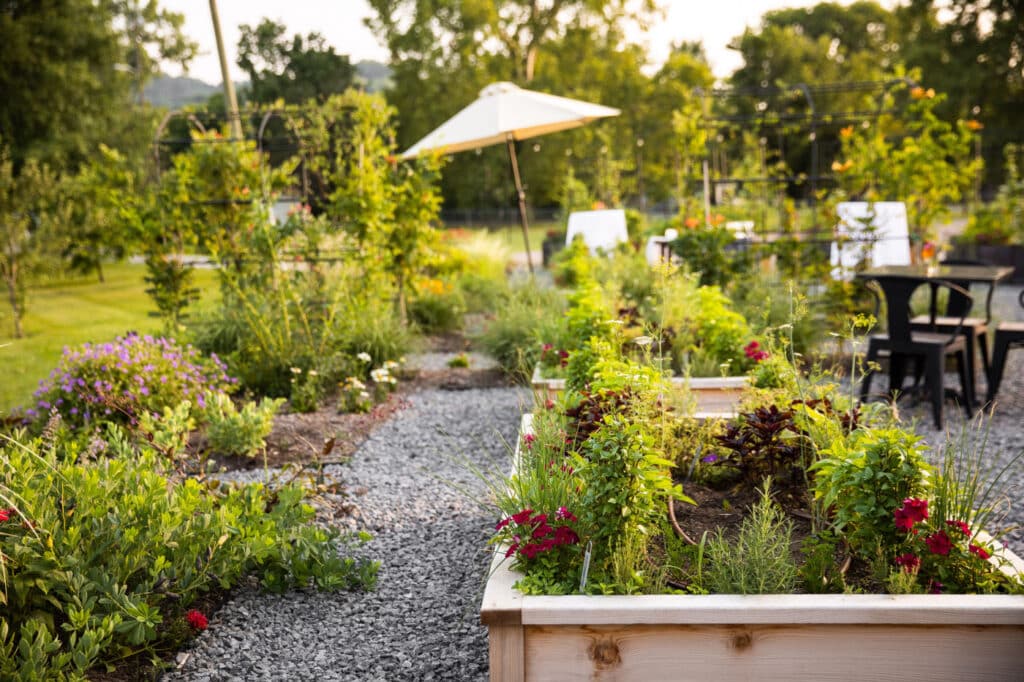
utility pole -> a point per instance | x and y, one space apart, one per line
230 101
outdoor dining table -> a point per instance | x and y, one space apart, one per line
896 282
931 274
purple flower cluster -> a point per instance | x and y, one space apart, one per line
118 380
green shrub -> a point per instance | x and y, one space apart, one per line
118 381
864 479
758 560
230 431
102 557
514 337
437 307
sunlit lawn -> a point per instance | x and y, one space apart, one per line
512 236
72 313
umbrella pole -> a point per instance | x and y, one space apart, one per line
522 200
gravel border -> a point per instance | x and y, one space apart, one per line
422 621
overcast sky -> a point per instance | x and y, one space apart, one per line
715 22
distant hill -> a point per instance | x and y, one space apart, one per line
374 75
177 91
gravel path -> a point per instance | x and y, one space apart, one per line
422 621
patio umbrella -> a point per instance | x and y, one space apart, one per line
505 113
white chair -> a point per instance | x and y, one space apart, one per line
656 247
600 229
875 231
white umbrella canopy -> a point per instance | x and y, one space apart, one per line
503 110
505 113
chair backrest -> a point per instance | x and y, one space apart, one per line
600 229
876 232
898 291
958 305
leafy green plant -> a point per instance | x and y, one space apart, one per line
242 432
102 557
819 573
437 307
758 560
515 335
864 479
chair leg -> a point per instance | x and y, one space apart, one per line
966 384
897 372
995 377
971 367
986 364
933 377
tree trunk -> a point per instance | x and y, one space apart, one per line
99 270
12 297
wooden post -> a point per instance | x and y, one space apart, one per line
522 199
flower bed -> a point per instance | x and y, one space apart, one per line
764 637
717 397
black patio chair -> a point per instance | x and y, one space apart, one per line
929 348
1008 334
955 315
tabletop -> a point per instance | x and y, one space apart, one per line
949 273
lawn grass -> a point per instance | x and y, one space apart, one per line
71 313
512 236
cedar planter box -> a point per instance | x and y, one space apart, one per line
717 397
765 637
1009 255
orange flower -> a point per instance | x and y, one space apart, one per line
691 223
846 133
921 93
718 219
928 251
838 167
974 125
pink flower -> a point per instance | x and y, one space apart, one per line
935 587
528 439
912 511
196 619
939 543
549 404
5 515
909 561
959 525
565 514
979 550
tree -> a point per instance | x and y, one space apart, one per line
62 72
294 71
27 217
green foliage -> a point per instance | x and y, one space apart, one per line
573 265
515 336
705 250
1001 221
120 380
295 70
758 560
27 225
241 432
170 287
437 307
864 479
102 557
819 573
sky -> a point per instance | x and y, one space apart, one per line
715 22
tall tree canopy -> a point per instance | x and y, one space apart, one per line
294 70
68 66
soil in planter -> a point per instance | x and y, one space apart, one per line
725 509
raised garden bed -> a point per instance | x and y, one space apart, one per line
767 637
717 397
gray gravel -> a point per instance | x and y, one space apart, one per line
422 622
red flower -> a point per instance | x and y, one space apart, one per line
522 517
5 515
501 524
935 587
979 550
549 405
566 536
959 525
512 549
196 619
912 511
938 543
909 561
754 352
528 439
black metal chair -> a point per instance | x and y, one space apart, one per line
1007 334
974 329
929 348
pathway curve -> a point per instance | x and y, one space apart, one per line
421 622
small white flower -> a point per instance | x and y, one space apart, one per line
296 370
393 381
312 373
379 375
355 384
364 357
643 341
364 395
391 365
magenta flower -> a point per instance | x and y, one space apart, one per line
939 543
